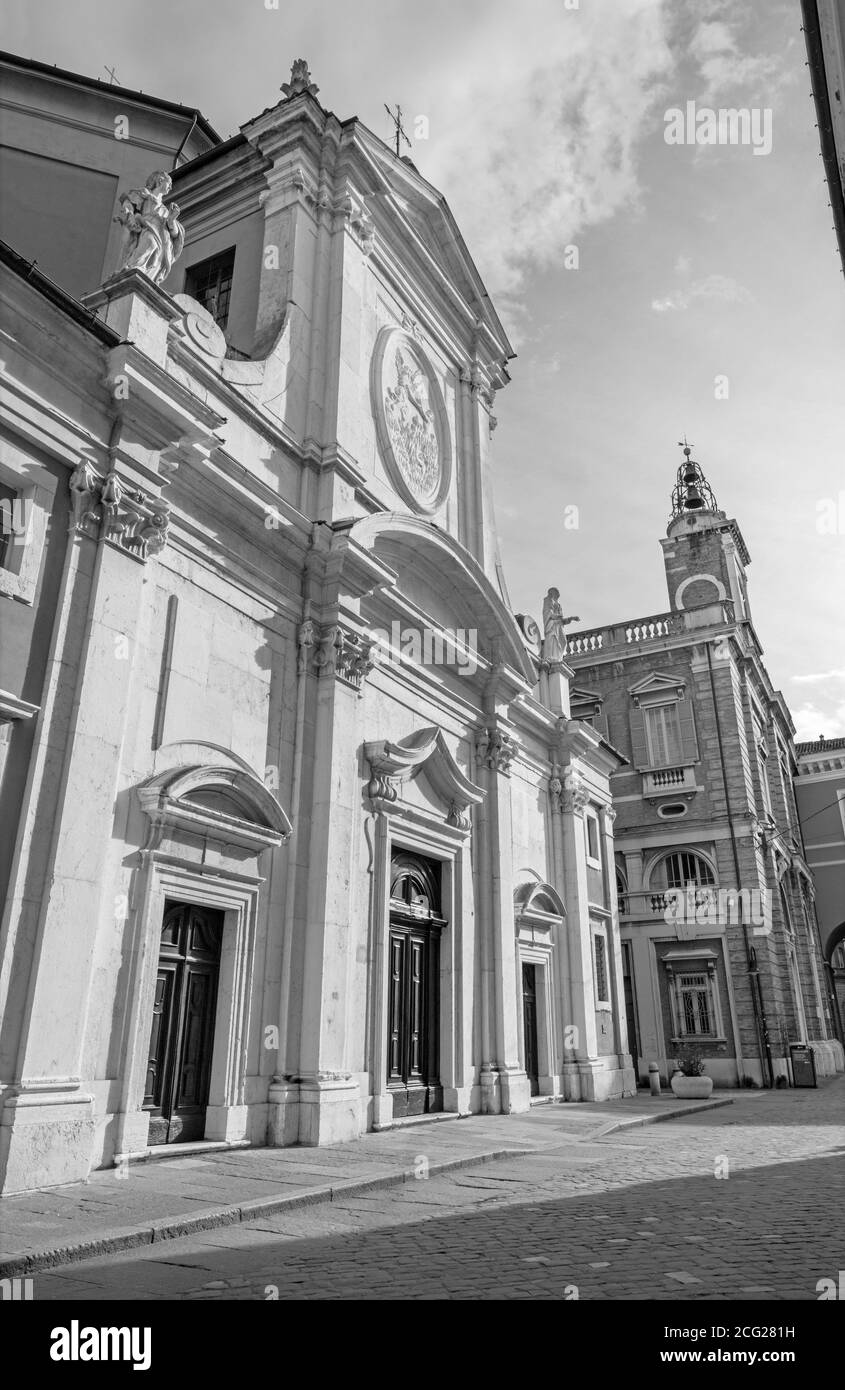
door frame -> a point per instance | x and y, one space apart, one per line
449 846
432 928
538 954
226 1114
183 967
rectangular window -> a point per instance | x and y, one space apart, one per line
593 838
10 509
696 1012
600 956
210 283
663 734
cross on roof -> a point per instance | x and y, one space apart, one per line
400 134
112 75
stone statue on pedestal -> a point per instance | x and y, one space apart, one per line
154 235
554 624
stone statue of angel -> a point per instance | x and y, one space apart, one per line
155 237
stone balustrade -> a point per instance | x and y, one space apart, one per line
625 634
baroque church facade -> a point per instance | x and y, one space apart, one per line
303 839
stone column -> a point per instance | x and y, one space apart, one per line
578 1068
48 1118
504 1084
327 1095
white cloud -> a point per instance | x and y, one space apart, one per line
546 114
815 677
812 723
724 69
720 287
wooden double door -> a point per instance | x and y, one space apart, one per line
182 1037
529 1026
414 987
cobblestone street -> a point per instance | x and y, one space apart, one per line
742 1202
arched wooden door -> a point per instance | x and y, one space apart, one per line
413 1074
182 1035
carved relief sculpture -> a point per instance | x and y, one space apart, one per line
411 420
410 424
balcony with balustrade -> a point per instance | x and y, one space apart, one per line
636 632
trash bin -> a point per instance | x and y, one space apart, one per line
803 1064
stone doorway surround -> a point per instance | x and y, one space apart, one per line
208 827
539 916
400 824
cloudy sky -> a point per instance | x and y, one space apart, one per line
695 263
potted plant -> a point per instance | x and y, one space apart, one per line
690 1081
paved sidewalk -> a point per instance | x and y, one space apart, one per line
167 1198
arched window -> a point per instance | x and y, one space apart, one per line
683 869
415 884
621 889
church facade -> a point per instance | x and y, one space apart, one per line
304 839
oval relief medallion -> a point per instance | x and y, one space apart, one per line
411 421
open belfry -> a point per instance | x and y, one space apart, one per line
304 840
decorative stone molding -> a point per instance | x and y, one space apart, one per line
357 218
575 795
109 509
609 814
200 327
496 748
300 81
392 765
305 641
338 652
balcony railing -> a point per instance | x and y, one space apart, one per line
623 634
654 904
663 781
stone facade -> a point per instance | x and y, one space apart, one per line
255 662
718 920
820 794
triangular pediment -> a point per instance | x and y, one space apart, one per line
657 683
578 695
423 219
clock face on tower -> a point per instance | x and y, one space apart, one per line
410 420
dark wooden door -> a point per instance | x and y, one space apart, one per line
414 965
630 1006
182 1035
529 1024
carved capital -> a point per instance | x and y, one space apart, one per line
109 509
306 638
575 795
495 747
339 652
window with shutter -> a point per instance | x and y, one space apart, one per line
639 747
689 742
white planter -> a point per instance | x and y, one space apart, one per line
691 1087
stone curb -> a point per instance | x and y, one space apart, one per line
677 1112
171 1227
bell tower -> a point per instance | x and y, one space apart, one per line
704 552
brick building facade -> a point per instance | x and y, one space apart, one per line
716 901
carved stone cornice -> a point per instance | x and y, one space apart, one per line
109 509
496 748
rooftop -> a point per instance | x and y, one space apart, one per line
819 745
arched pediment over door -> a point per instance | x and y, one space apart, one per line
422 756
228 805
